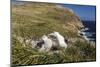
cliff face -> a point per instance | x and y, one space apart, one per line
37 19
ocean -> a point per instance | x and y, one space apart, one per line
90 30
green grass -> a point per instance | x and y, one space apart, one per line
79 52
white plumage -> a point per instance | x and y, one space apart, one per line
47 43
60 38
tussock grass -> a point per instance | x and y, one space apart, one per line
33 20
79 52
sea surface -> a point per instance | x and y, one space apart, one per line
90 30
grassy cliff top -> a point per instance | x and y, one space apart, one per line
36 19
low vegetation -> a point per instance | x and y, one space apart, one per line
78 52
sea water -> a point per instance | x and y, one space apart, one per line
90 30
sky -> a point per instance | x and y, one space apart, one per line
85 12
